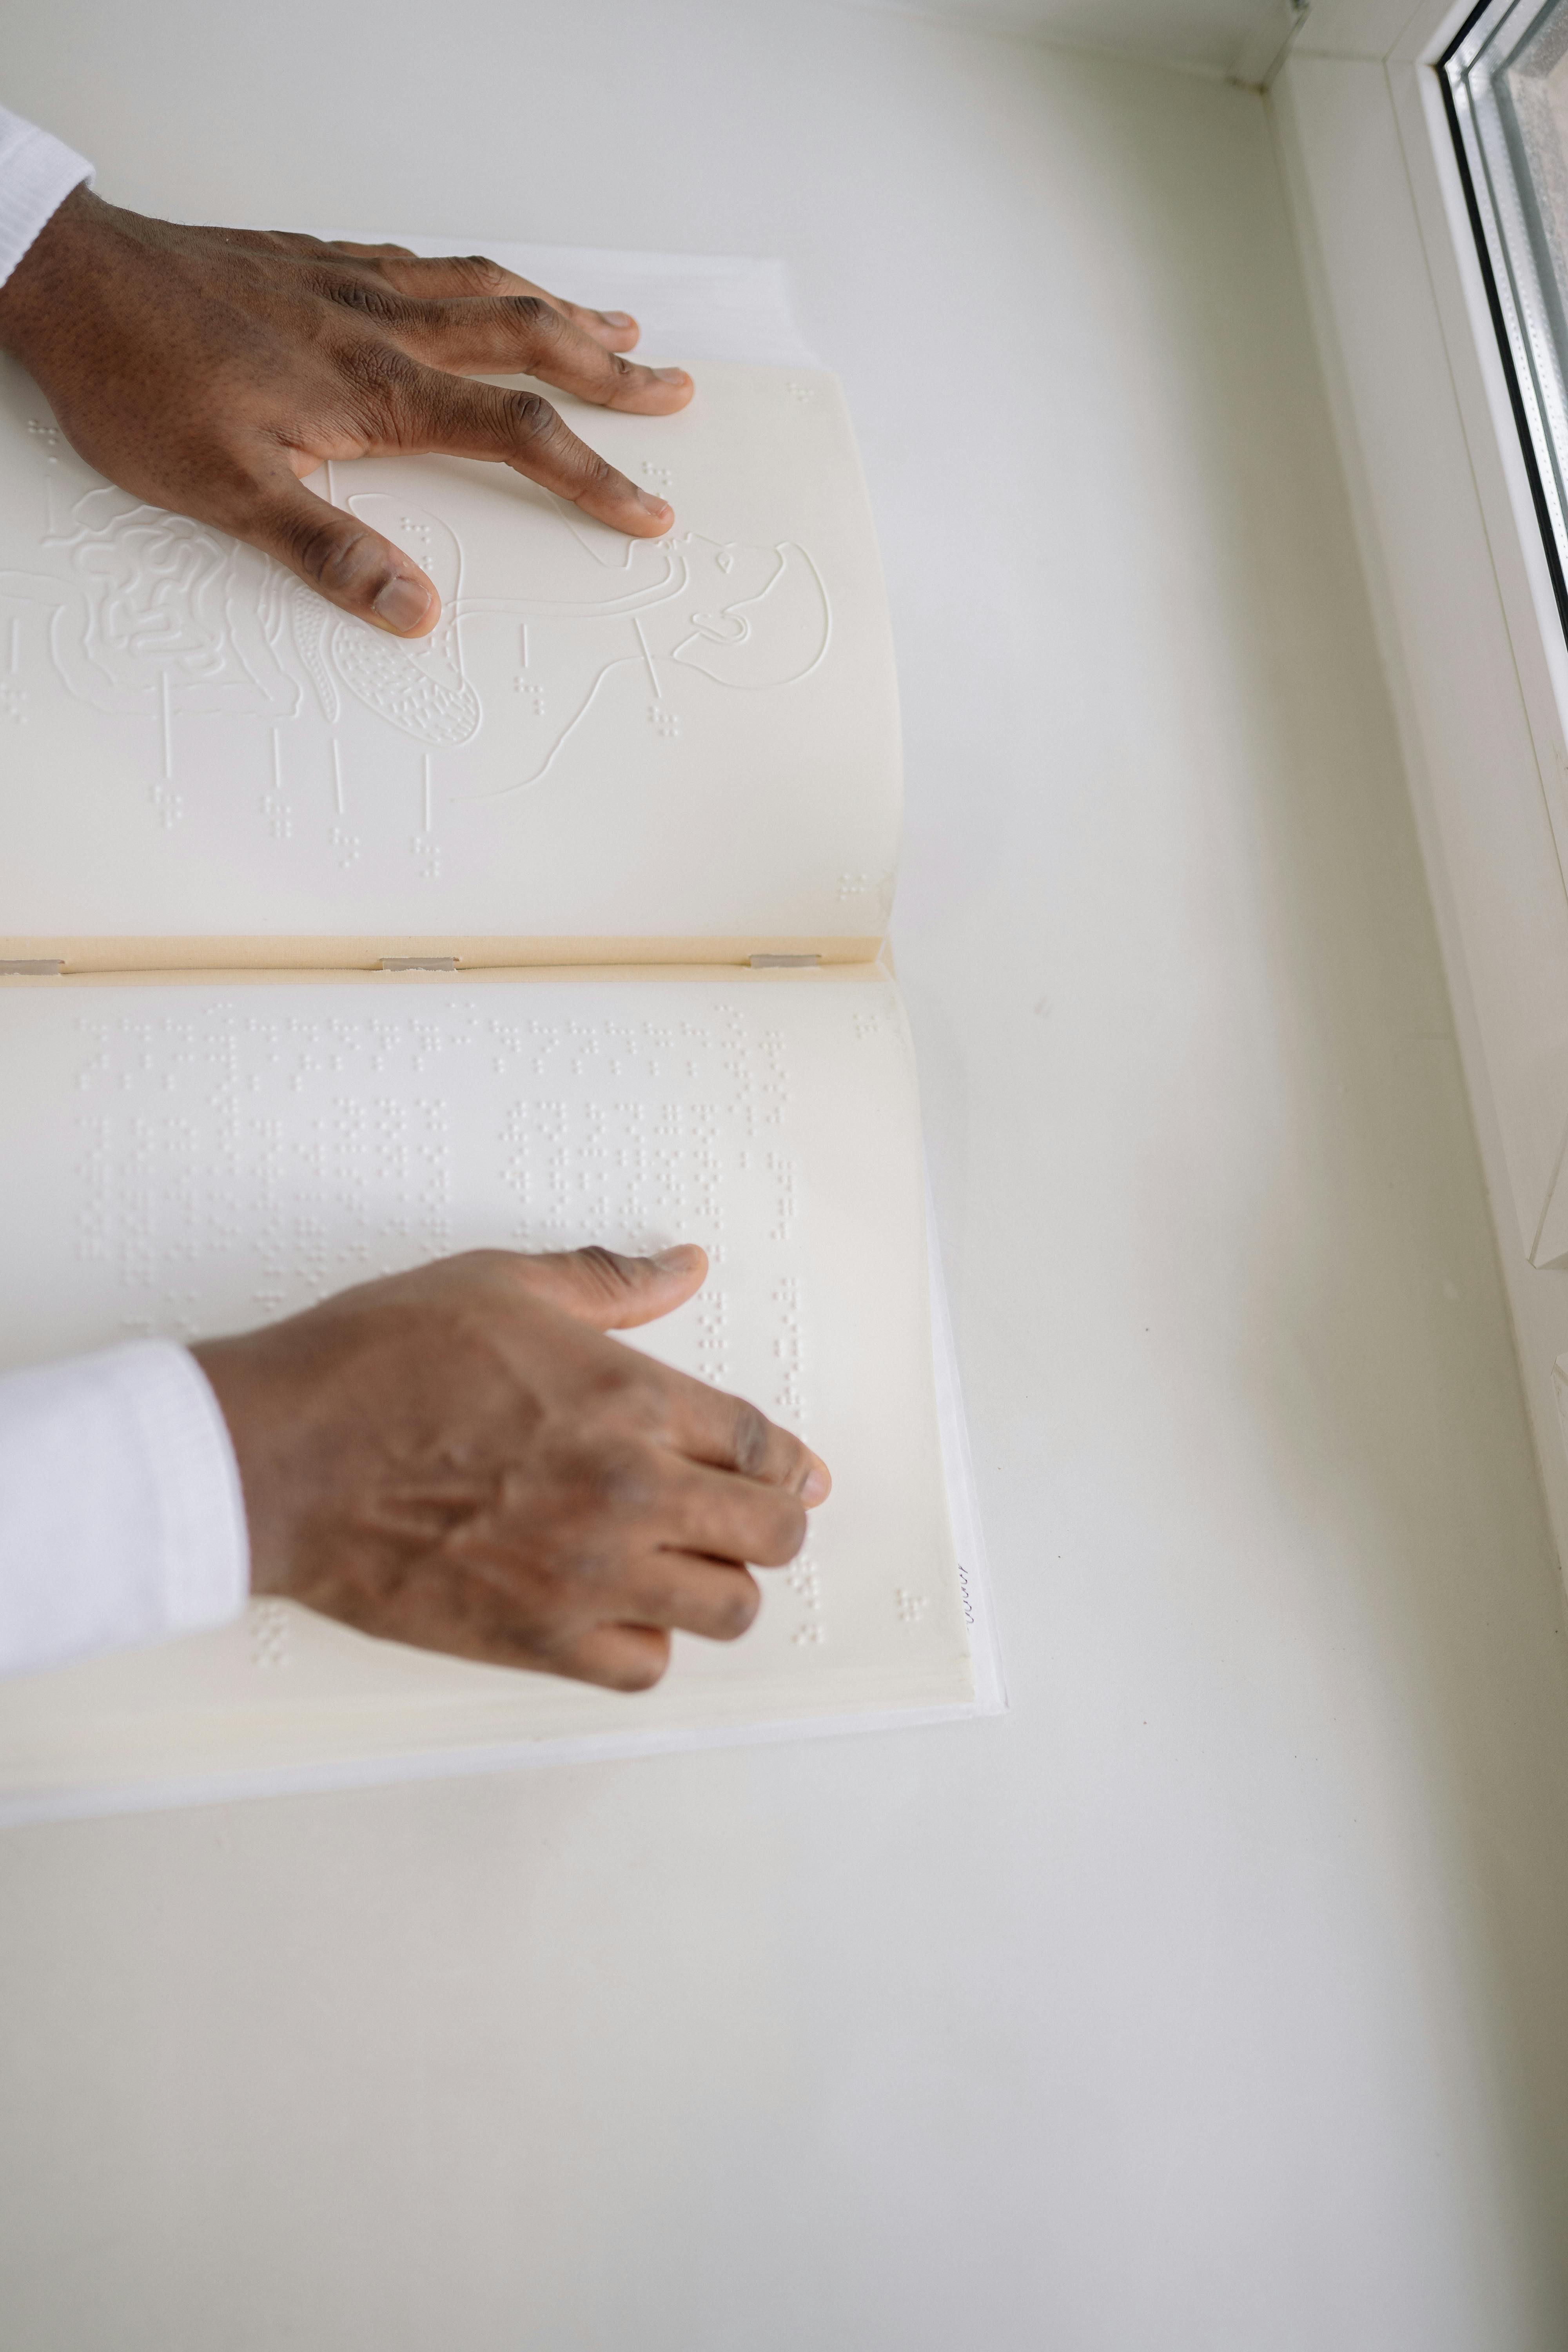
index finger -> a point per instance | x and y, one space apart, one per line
709 1426
459 275
516 334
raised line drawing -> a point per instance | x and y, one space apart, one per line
774 632
144 611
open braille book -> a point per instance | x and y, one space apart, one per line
327 952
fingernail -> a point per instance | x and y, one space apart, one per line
816 1486
659 507
672 375
401 604
673 1260
617 318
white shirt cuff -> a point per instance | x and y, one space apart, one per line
121 1519
38 172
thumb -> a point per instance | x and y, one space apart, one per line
614 1293
340 557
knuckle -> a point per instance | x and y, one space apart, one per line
642 1673
543 1611
487 1266
530 419
531 314
722 1603
377 368
559 1585
579 1578
739 1611
336 561
621 1394
362 295
607 1273
618 1480
476 273
750 1439
782 1533
343 248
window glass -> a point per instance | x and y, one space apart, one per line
1506 82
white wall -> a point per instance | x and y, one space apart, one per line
1213 2001
1223 37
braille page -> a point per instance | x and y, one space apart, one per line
694 738
190 1159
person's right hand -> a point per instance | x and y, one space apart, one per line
458 1458
207 369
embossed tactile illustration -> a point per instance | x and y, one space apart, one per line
223 747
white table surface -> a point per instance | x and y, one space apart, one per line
1215 1999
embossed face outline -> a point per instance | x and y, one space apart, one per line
772 624
745 573
745 614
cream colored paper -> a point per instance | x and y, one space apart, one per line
695 737
200 1157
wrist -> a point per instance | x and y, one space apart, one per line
41 285
238 1374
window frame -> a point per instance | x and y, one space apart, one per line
1468 612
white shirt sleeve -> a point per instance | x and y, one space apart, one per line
121 1519
37 174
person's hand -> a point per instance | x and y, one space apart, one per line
458 1458
206 369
